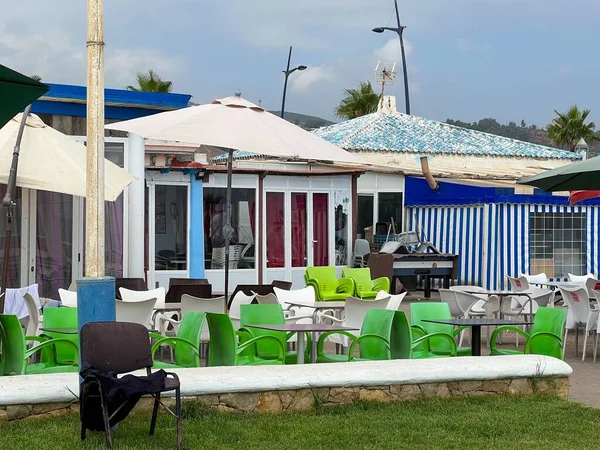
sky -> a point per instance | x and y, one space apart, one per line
466 59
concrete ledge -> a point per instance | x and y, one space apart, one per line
251 385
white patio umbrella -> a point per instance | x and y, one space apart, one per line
52 161
234 123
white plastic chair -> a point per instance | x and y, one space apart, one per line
461 305
479 307
129 295
354 314
592 284
235 308
581 314
596 294
580 279
68 298
197 304
361 248
394 301
532 279
304 295
137 312
269 299
35 318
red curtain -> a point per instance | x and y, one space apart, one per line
275 230
321 235
298 230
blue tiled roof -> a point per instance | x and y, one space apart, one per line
238 154
412 134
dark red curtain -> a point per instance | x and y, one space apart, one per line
275 230
320 231
298 230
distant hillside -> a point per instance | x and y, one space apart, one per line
525 133
304 121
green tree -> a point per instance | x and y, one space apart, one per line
568 128
36 77
358 102
150 81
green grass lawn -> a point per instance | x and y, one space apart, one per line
477 423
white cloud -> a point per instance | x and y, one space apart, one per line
390 51
313 76
122 65
464 45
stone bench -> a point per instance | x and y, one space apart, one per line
300 387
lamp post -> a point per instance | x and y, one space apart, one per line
287 73
400 30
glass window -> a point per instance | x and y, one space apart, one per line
243 213
557 244
341 203
170 235
275 207
390 208
320 229
14 265
299 236
365 214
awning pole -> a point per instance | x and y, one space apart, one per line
227 230
9 204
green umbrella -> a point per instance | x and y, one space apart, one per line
16 92
580 176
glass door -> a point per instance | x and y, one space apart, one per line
168 233
275 230
299 241
320 225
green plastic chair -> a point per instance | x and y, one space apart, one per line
60 318
364 286
326 284
224 349
439 345
185 345
15 354
268 314
545 337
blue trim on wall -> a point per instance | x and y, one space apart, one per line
68 100
196 228
418 193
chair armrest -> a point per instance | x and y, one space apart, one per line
294 318
252 341
321 341
446 336
345 286
419 330
332 318
312 282
459 330
381 284
173 342
170 320
499 330
357 341
543 334
55 341
41 338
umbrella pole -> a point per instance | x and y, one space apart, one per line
227 230
8 203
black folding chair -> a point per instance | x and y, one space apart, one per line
112 348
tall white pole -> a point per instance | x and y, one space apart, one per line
94 244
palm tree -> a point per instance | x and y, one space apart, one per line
150 82
568 128
358 102
36 77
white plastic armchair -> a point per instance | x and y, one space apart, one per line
394 300
235 307
68 298
533 279
304 295
580 279
478 308
581 314
35 318
136 312
592 284
190 303
354 314
129 295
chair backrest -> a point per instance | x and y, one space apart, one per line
176 291
539 278
127 295
433 310
361 247
73 286
449 296
469 289
280 284
238 300
190 329
361 277
187 281
356 309
580 279
205 305
304 295
34 315
251 289
12 341
135 311
264 314
578 302
465 300
394 301
542 296
223 340
118 347
68 298
269 299
324 276
592 284
60 318
134 284
551 320
518 284
378 322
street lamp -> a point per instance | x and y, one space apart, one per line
287 73
400 30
